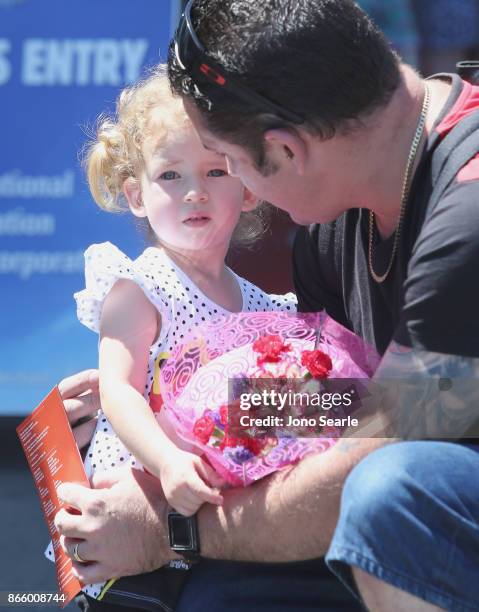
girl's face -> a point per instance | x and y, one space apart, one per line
186 193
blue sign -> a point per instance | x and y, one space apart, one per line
61 65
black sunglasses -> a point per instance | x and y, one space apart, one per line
192 57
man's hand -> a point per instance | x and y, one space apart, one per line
122 528
82 401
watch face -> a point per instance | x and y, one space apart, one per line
180 527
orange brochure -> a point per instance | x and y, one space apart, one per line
53 457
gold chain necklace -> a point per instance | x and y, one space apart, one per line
406 186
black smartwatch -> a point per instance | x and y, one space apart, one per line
183 535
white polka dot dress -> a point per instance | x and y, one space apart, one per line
182 306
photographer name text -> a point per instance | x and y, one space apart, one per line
289 402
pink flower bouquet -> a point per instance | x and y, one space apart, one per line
202 379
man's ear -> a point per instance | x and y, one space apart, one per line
250 201
132 191
288 144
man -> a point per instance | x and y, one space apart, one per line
316 115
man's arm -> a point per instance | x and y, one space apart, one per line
288 517
429 395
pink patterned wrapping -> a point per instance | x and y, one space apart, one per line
194 382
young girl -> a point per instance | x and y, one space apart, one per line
150 158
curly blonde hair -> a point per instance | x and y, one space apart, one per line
115 152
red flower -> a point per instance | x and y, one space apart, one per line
203 428
224 414
270 349
318 364
230 442
255 445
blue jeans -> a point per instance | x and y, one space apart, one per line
410 517
225 586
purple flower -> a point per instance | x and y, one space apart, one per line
238 454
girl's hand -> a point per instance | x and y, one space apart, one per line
188 481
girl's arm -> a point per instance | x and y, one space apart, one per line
129 325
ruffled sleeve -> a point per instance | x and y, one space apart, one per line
105 264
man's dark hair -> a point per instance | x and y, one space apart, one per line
323 59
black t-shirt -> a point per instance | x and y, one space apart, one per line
430 300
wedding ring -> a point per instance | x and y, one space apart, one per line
76 556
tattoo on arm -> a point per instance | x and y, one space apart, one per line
430 395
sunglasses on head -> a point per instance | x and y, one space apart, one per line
192 57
